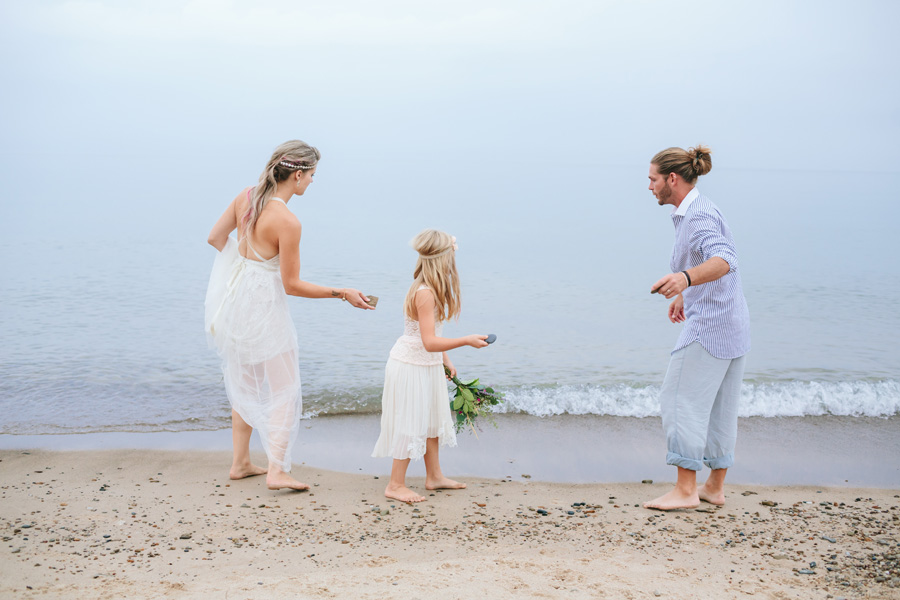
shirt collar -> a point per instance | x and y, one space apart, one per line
686 203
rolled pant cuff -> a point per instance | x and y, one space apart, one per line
723 462
685 463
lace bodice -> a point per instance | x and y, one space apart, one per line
409 347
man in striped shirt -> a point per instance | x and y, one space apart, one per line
700 394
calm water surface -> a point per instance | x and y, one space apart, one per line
103 330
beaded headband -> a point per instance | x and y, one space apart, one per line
290 164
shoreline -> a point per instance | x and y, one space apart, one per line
828 450
153 523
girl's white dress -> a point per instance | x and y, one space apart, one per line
415 405
249 325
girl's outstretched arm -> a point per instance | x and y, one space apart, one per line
433 343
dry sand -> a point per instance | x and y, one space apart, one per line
151 524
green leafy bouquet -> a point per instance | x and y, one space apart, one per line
471 400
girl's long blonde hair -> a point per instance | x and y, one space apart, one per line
436 269
289 157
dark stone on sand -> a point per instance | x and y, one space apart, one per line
185 536
646 481
806 572
768 503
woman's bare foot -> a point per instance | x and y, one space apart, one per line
280 481
717 498
674 500
402 493
443 484
248 470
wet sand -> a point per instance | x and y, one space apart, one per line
144 523
834 451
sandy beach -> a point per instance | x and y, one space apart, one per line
152 523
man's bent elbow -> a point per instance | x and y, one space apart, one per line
724 267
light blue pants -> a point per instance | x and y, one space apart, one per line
699 406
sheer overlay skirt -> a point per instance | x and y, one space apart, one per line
249 324
414 407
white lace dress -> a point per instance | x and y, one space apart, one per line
249 325
415 405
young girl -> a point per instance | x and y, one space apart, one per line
415 408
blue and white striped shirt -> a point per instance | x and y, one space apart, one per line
716 313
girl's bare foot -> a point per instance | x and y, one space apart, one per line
247 470
717 498
443 484
674 500
280 481
402 493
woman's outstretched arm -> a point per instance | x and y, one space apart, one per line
289 232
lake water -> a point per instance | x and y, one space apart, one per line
101 327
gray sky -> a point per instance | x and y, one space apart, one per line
164 98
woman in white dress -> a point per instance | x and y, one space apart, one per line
415 407
247 316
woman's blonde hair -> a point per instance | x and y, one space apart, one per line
288 157
688 164
435 269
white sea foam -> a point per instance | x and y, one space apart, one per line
813 398
769 399
780 399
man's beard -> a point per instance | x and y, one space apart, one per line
664 194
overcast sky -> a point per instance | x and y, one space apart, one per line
164 96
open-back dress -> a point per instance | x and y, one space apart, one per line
250 326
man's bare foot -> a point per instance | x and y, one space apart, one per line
443 484
402 493
674 500
248 470
717 498
280 481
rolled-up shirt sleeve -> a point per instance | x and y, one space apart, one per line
709 239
